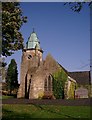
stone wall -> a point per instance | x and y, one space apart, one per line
33 75
29 65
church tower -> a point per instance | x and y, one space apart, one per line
33 46
31 59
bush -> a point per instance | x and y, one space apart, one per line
40 95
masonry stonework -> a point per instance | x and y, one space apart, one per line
36 73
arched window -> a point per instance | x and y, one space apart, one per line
48 83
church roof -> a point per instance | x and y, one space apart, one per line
33 41
81 77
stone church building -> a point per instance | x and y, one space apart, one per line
36 77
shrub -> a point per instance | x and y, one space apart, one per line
40 95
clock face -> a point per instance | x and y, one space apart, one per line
29 56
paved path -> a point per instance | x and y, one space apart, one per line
76 102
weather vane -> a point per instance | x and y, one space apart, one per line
33 30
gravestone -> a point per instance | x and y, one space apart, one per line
81 93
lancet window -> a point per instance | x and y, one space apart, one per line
48 83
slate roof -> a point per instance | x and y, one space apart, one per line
82 77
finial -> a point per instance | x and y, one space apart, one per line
33 30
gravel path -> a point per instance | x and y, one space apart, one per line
76 102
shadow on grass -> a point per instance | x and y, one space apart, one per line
51 111
12 115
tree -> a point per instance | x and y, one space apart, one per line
12 76
77 6
2 68
12 20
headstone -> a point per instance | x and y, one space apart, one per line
81 93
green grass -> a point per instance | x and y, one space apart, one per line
15 112
6 97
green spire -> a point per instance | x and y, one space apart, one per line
33 41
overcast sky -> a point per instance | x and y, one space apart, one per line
62 33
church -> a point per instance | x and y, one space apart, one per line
41 78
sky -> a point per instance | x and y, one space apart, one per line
62 33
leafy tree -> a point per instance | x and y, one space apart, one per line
12 20
77 6
12 76
2 68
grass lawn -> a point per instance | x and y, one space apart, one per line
26 112
6 97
